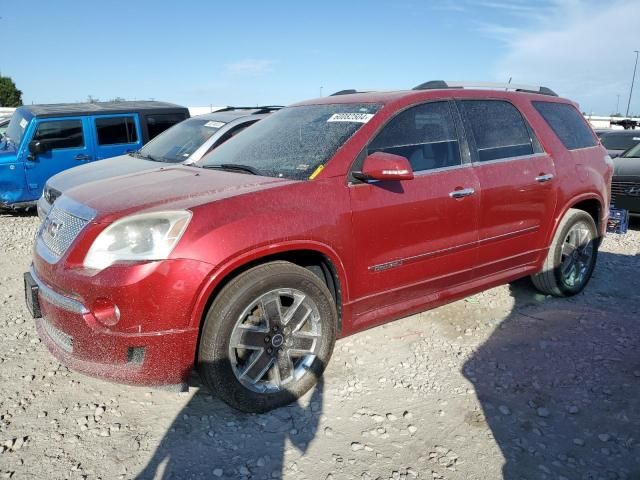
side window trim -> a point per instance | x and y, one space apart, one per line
534 142
53 120
460 134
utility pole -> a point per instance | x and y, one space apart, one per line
618 104
632 81
321 91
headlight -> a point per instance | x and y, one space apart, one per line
148 236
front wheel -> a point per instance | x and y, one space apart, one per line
267 337
571 257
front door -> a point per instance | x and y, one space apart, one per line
415 237
517 182
68 145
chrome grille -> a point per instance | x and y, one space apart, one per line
620 188
59 229
64 341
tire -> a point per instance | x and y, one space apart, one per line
253 308
553 278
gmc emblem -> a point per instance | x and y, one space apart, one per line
51 227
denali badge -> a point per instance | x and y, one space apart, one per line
633 191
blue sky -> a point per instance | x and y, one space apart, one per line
279 52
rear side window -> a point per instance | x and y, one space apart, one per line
567 123
425 135
60 134
116 130
159 122
498 129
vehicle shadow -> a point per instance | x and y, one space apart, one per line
209 439
559 380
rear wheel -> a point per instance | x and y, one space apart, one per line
267 337
571 257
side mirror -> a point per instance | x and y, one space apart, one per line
37 147
385 166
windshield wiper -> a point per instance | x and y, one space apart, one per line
145 156
234 167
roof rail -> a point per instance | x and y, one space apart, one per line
349 91
438 84
259 108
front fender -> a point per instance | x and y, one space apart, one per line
13 183
223 270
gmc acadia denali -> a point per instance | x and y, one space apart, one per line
326 218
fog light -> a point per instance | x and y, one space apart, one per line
106 312
135 354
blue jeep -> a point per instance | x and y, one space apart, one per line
42 140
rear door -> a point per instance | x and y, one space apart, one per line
415 237
69 146
518 184
115 135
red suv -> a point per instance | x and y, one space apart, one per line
329 217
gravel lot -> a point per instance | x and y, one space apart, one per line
504 383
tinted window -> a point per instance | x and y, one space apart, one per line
567 123
158 123
425 135
60 133
498 129
620 141
115 130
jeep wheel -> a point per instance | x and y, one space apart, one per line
571 257
267 337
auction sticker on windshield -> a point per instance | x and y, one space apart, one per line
213 124
351 117
23 123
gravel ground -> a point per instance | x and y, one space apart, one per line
504 383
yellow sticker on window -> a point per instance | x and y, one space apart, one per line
316 172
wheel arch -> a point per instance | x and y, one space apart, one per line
318 258
591 203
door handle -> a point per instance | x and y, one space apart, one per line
82 156
544 177
464 192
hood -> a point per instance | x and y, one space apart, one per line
626 166
172 187
102 169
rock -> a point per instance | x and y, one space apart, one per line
356 446
604 437
218 472
543 412
504 410
412 429
573 409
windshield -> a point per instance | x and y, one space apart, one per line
632 152
615 141
180 141
295 141
17 126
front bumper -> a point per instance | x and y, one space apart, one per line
154 341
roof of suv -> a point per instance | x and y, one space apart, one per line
354 96
65 109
